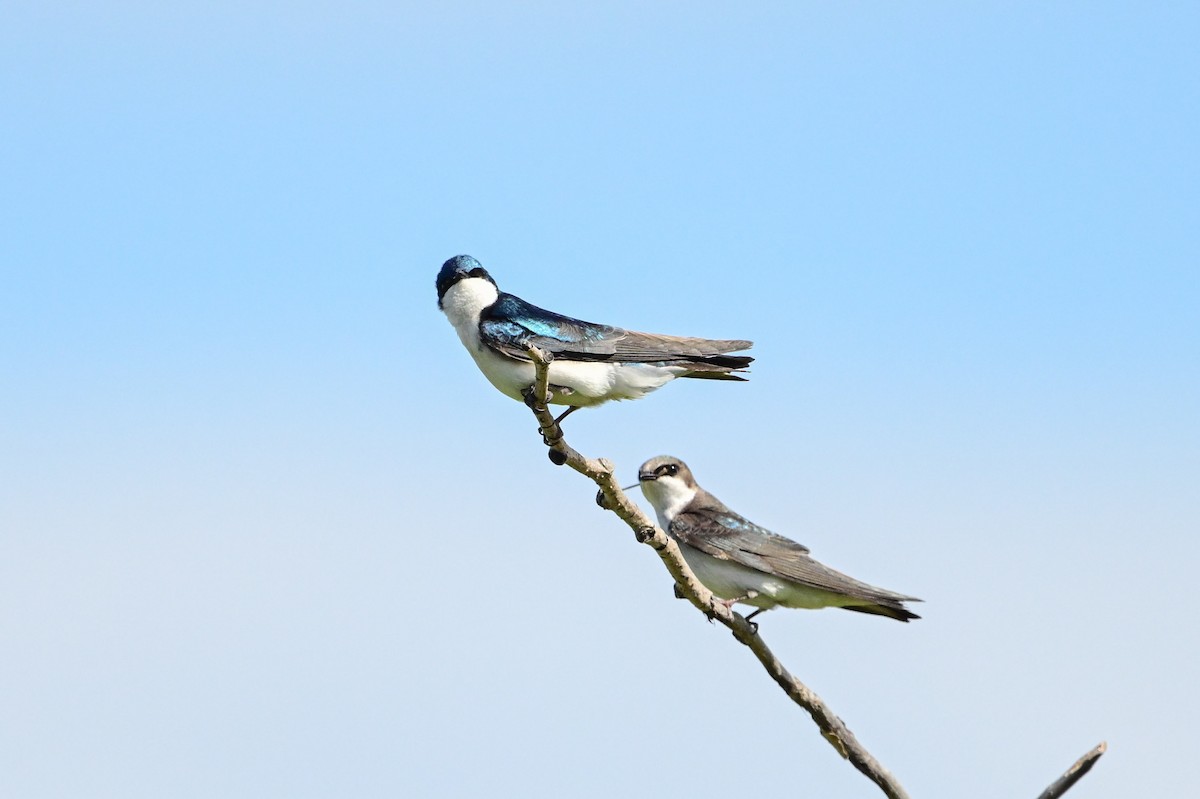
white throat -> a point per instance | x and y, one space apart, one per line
669 496
464 302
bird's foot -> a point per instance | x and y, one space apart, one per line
570 410
553 434
729 603
711 613
531 400
679 592
753 624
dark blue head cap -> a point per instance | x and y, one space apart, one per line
458 268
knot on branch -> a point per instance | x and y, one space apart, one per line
644 535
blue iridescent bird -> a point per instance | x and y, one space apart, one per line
593 363
741 562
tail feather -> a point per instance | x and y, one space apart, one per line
713 375
897 611
717 367
726 361
652 347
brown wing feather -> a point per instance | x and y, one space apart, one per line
771 554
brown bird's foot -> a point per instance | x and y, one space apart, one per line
711 612
729 603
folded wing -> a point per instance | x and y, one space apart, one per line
511 326
721 533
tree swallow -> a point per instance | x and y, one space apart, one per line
593 363
741 562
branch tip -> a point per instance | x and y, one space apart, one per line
1072 775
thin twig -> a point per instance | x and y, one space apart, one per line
1082 766
602 472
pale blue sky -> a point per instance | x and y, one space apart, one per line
265 530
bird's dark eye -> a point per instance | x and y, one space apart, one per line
669 469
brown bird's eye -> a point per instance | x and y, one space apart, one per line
669 469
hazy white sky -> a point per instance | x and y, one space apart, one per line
266 531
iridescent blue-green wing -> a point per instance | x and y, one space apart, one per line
511 325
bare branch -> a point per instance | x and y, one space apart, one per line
611 497
1082 766
688 586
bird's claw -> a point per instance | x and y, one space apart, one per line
551 437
